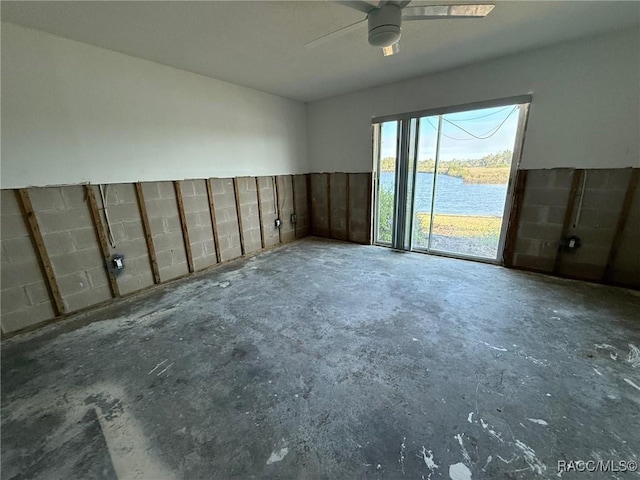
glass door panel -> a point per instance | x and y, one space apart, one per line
472 178
386 194
444 180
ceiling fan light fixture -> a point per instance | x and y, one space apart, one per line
384 25
384 36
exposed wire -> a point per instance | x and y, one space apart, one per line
579 211
112 241
483 116
484 136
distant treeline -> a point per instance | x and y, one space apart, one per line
493 168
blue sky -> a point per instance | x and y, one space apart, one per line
456 143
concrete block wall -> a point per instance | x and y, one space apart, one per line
71 242
128 235
541 218
596 210
341 206
626 265
338 206
166 230
249 213
24 300
267 192
319 184
199 225
595 223
224 199
301 205
285 199
359 207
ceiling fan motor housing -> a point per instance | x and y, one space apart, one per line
384 25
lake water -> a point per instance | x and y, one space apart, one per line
453 196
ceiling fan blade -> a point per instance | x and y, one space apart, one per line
437 12
338 33
360 5
391 49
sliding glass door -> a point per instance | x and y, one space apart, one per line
444 180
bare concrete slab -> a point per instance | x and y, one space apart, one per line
329 360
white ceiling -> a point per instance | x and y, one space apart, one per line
261 44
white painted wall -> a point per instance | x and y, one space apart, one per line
585 111
74 113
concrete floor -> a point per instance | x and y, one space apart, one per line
334 361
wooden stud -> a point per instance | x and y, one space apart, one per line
348 207
369 208
147 233
238 214
607 275
260 211
102 239
183 224
309 216
44 261
278 212
293 194
568 215
514 218
214 224
329 203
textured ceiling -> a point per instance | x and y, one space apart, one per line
261 44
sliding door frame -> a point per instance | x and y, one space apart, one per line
402 229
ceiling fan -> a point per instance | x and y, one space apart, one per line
385 20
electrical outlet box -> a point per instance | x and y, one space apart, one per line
117 263
278 222
293 218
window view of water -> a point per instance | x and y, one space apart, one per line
472 152
461 198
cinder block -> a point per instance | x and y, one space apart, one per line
15 250
618 178
200 188
545 197
173 271
151 191
97 277
195 204
12 226
18 320
84 238
133 230
167 190
62 220
537 179
73 283
87 298
125 192
187 188
17 274
533 262
540 231
528 246
13 299
135 283
74 196
46 199
124 212
37 293
603 199
219 186
596 178
76 262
